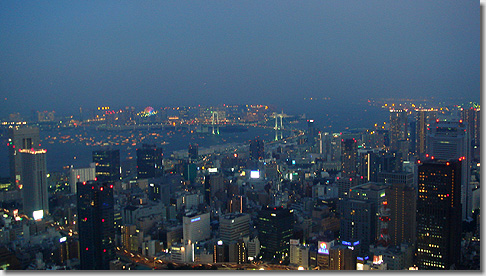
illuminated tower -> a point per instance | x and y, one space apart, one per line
96 225
149 162
20 138
439 214
34 182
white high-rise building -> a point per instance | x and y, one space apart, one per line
196 228
34 182
233 227
449 140
81 175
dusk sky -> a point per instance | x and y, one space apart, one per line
60 55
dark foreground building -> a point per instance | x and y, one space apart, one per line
439 215
96 225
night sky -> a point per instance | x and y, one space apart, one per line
60 55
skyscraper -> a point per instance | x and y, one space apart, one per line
96 224
257 151
359 219
20 138
34 181
349 149
439 214
192 151
149 162
449 140
423 119
398 128
275 227
107 165
81 175
472 117
402 203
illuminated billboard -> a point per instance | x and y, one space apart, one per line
195 219
254 174
37 215
213 170
323 248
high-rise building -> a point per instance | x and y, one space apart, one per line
196 227
349 149
402 203
275 227
472 117
423 119
149 162
398 128
192 151
96 224
20 138
34 182
233 227
257 151
341 257
449 140
439 214
107 165
359 219
81 175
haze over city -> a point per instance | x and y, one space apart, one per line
61 55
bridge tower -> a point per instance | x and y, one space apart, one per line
215 128
278 127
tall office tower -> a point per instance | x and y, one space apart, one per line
149 162
237 204
96 224
20 138
439 214
472 117
349 150
233 227
449 140
398 128
423 119
81 175
275 227
192 151
402 203
368 164
107 165
359 219
257 150
34 181
311 132
196 228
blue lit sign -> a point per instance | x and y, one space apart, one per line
195 219
346 243
355 243
360 258
366 258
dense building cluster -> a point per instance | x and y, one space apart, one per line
398 196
